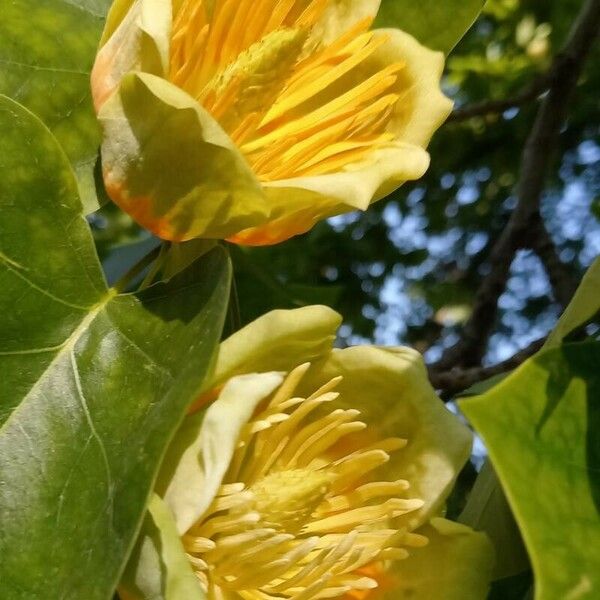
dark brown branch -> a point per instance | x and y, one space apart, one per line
490 107
560 276
536 160
457 380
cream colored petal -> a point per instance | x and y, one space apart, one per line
158 568
170 165
280 340
199 455
297 204
422 107
116 13
455 565
136 38
341 15
391 389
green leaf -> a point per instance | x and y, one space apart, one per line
438 25
540 426
47 48
487 510
584 306
92 385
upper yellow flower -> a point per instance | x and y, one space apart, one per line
253 119
316 473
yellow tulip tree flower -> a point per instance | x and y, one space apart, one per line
306 472
253 119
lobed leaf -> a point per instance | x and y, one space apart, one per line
540 426
47 48
92 384
584 306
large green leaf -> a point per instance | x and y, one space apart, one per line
92 384
584 306
47 48
540 426
436 24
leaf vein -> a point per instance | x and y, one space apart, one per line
10 266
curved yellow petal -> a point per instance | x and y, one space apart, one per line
279 340
199 456
297 204
422 107
391 389
341 15
455 565
169 164
136 38
117 12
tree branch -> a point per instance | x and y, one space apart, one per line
489 107
560 276
535 163
457 380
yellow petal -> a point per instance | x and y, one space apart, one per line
341 15
456 564
423 108
297 204
279 340
391 389
199 456
136 38
169 164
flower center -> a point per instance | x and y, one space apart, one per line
294 106
300 514
285 500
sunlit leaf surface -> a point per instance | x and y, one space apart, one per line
47 48
540 426
439 25
91 384
583 307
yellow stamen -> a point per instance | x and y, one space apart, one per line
295 522
293 111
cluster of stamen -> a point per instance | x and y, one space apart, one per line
293 105
298 515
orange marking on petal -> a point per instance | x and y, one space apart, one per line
386 582
204 400
141 209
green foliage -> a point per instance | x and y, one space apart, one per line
159 548
438 25
487 510
92 384
585 306
47 48
540 428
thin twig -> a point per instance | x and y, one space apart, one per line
457 380
559 274
481 109
536 160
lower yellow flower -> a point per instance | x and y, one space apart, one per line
305 472
300 514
